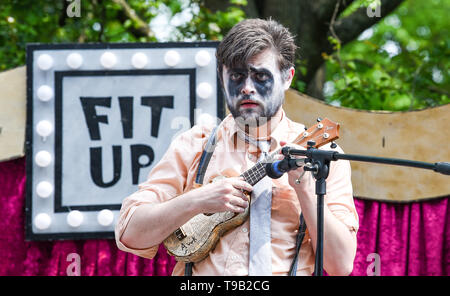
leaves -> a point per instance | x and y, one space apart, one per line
402 65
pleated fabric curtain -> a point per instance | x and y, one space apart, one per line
394 239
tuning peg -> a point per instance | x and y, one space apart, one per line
333 145
319 119
311 143
306 128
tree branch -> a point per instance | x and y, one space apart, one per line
338 51
351 26
324 9
143 27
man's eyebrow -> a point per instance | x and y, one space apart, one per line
262 69
241 70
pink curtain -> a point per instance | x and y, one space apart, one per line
403 239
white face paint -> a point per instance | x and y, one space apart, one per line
255 91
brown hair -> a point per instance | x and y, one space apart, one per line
251 37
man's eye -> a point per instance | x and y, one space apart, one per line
235 76
262 76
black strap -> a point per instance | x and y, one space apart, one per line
206 157
203 164
188 268
298 243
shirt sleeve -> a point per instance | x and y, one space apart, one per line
168 179
339 196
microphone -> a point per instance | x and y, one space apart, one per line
276 169
442 167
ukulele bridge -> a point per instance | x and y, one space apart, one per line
179 233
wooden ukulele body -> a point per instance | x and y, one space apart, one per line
193 241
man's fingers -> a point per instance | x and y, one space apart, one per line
238 205
235 209
240 194
240 184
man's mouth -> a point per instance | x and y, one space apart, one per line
248 104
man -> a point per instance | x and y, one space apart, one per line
255 64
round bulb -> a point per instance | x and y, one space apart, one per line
202 58
105 217
42 221
139 60
108 60
74 60
172 58
43 158
75 218
204 90
205 119
44 128
45 62
45 93
44 189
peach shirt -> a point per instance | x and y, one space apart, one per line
176 172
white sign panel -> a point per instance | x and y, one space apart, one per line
99 117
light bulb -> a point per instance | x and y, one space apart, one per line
172 58
44 189
45 62
139 60
108 60
42 221
202 58
204 90
43 158
45 93
205 119
75 218
105 217
44 128
74 60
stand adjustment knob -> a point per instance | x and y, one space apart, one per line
311 143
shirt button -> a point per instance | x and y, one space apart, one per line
244 230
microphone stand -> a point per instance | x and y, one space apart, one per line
318 162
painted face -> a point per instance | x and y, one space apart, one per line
255 92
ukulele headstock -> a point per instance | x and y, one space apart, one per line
323 132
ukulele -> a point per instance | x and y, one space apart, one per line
193 241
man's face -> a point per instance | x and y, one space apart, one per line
255 92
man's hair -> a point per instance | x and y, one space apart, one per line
251 37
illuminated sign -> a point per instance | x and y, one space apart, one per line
99 117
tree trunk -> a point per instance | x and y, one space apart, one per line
310 22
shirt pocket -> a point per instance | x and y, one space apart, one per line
285 213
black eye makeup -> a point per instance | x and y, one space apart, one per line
263 80
236 76
261 76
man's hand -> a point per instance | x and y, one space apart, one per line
302 181
224 195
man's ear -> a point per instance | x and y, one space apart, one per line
289 75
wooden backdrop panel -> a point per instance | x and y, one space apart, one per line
417 135
12 113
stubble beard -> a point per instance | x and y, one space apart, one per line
258 116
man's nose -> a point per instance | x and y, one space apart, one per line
248 88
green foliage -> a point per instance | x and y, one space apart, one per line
401 63
28 21
208 25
